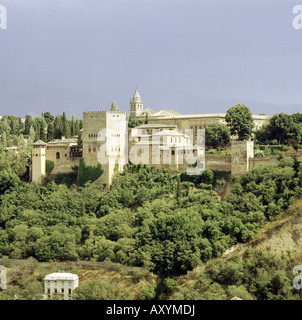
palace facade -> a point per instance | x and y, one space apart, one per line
105 138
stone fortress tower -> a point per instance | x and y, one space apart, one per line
104 139
241 152
38 161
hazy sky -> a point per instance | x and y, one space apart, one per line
193 56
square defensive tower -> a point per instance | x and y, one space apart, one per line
105 141
241 152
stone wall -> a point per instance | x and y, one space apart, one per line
60 155
256 162
273 159
220 162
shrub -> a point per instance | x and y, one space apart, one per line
49 165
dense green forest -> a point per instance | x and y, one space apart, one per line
152 219
46 127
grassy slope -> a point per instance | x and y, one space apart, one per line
127 279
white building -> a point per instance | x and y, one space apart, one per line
61 284
2 277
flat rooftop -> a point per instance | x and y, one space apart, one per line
61 276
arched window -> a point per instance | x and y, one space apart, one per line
58 155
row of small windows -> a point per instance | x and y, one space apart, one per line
62 282
112 149
178 139
172 151
94 135
199 122
99 135
56 291
138 106
58 156
202 126
39 155
56 147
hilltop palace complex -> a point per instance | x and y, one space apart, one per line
167 139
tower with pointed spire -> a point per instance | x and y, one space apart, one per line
136 105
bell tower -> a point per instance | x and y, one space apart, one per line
136 105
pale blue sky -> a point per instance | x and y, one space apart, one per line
193 56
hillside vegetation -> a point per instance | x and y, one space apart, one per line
147 219
98 280
261 269
161 223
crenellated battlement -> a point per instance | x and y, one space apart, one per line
218 156
101 113
240 142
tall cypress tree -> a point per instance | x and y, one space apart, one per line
66 126
50 131
81 172
58 127
73 126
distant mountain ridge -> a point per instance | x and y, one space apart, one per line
22 98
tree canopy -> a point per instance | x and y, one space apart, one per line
217 135
240 120
283 127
